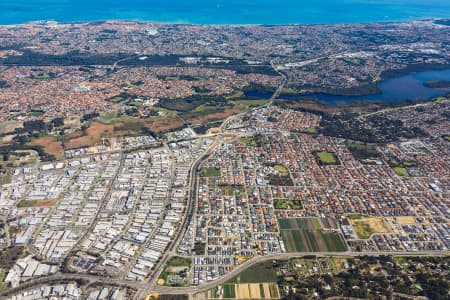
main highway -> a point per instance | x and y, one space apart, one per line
146 287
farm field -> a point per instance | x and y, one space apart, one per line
262 272
260 290
300 223
305 235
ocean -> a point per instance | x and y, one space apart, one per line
224 11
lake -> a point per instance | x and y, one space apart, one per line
406 87
224 11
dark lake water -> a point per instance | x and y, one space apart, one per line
406 87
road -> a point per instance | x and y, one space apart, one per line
151 281
143 287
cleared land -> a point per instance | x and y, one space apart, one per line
407 220
36 203
365 227
50 145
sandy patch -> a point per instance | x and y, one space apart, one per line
409 220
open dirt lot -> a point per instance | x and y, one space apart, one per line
50 145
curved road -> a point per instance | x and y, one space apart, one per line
143 287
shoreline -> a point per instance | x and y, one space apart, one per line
187 23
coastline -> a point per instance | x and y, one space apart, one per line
219 24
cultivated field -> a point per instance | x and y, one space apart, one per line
306 235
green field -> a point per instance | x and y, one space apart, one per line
362 150
400 171
178 261
310 131
326 158
249 141
247 104
211 172
356 216
35 113
229 291
176 266
282 169
25 203
262 272
287 204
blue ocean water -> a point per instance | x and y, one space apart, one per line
224 11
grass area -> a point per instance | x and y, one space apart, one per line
36 203
176 271
229 291
178 261
446 137
236 95
165 112
356 216
117 99
9 126
310 131
249 141
248 104
362 150
282 169
35 113
6 176
262 272
326 158
41 76
401 171
211 172
25 203
365 227
287 204
112 117
9 256
3 285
